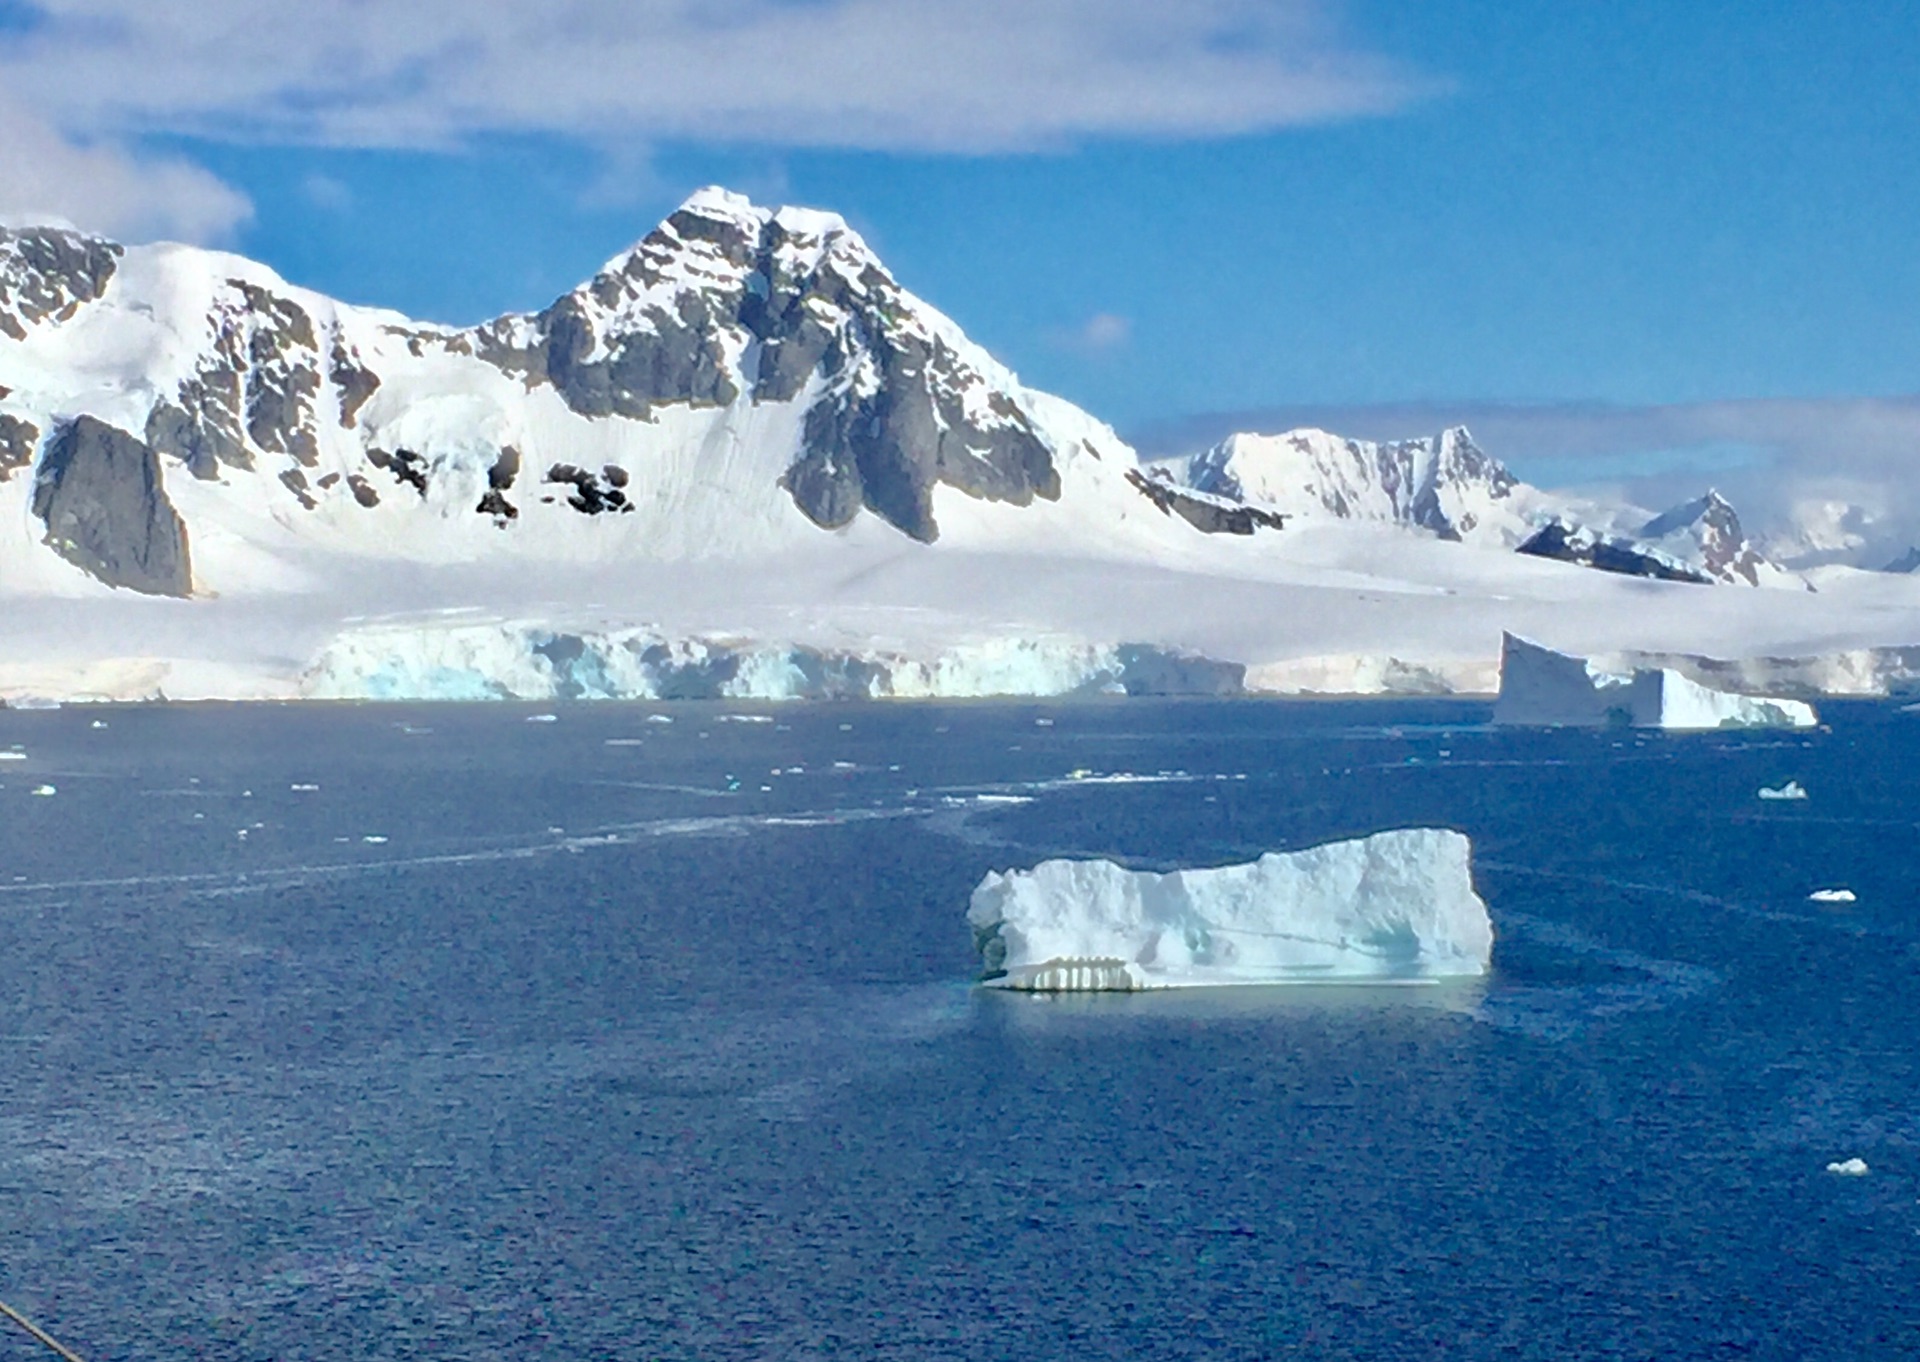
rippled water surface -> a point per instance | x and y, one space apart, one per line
392 1032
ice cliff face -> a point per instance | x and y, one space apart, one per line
740 378
1444 483
1543 688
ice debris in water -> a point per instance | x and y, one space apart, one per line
45 790
543 718
1791 790
15 755
1849 1168
659 718
303 788
98 723
373 839
1391 907
1833 896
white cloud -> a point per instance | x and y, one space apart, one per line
1100 333
924 75
47 177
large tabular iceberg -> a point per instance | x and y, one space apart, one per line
1543 688
1394 906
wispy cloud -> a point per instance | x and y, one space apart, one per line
1099 334
964 76
48 177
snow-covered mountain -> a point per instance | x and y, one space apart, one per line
740 379
1707 533
1444 483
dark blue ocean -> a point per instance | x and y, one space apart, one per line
618 1044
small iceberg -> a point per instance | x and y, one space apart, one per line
543 718
13 756
1791 790
1849 1168
1393 907
45 791
1833 896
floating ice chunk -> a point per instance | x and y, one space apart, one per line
1394 906
1542 688
373 839
543 718
659 718
1849 1168
44 791
303 789
746 718
1833 896
1791 790
98 723
626 742
13 756
1043 723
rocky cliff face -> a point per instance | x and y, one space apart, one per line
46 275
99 492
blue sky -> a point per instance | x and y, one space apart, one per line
1472 202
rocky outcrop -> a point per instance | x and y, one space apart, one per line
100 494
47 274
1561 539
18 439
1207 513
254 389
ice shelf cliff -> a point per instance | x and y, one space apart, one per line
1542 688
1391 907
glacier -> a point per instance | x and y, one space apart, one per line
528 660
1543 688
1393 907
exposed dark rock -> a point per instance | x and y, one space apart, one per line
355 381
18 440
1906 562
1207 513
362 490
328 481
100 494
296 482
589 496
495 504
615 475
505 469
47 273
1569 543
406 466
